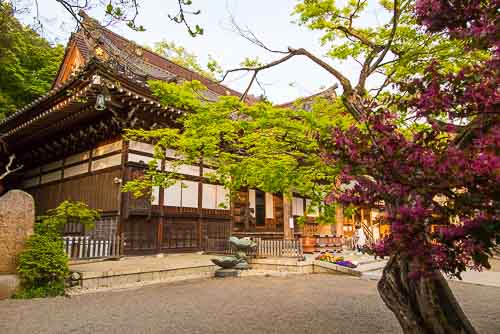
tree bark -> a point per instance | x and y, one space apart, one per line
423 305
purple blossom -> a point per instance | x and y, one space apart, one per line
442 175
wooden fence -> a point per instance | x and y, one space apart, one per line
280 248
78 248
265 248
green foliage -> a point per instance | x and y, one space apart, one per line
179 55
281 150
69 212
251 62
43 265
348 36
52 289
28 63
350 211
119 11
261 146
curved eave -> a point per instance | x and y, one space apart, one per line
69 93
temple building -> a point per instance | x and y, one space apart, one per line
71 146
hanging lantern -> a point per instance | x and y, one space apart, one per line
100 102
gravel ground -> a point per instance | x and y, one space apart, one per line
299 304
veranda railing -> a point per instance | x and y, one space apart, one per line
84 247
265 248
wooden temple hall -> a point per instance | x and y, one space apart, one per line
70 144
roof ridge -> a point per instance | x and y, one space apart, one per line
224 90
302 98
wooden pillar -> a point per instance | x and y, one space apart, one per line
159 234
287 214
339 217
161 219
201 239
231 208
122 197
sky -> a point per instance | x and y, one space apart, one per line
270 20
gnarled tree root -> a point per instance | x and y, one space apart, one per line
423 305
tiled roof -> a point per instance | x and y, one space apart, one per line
329 92
81 43
149 62
138 60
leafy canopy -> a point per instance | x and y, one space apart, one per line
348 35
283 149
67 212
28 63
262 146
440 167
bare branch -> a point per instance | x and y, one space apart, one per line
250 36
358 7
131 12
259 68
245 93
8 171
180 17
368 67
344 81
72 9
395 20
386 82
261 87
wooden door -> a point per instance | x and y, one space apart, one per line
140 235
180 234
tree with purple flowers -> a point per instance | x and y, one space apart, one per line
437 172
425 144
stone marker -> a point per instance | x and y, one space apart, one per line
17 217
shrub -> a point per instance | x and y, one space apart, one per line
67 212
43 265
53 289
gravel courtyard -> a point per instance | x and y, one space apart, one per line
299 304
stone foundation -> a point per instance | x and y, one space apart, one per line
85 282
98 281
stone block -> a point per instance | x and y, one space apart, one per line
17 217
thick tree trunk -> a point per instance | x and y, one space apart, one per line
423 305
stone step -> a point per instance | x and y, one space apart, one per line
336 268
360 271
368 261
372 266
372 275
